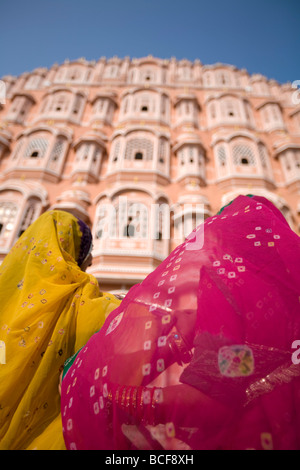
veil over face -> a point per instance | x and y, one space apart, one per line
234 300
49 308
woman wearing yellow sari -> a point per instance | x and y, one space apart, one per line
49 308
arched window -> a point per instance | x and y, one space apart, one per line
128 219
243 155
36 148
144 103
60 102
290 162
147 75
139 149
229 108
271 116
74 73
20 108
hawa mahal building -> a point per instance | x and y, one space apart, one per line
138 148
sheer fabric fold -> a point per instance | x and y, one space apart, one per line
199 355
49 309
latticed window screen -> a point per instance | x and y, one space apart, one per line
139 214
116 150
223 79
229 108
32 82
221 153
8 213
77 104
74 74
102 223
243 155
28 218
83 152
60 102
118 219
36 148
297 158
262 155
17 149
191 153
57 150
139 146
129 219
161 151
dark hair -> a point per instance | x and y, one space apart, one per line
86 242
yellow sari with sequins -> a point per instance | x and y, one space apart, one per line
49 308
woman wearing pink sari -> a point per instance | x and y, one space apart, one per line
200 354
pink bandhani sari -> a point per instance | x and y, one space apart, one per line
201 354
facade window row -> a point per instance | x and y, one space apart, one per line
150 106
216 76
130 221
47 153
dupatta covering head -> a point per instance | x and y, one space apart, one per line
199 355
49 309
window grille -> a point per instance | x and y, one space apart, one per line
242 154
17 149
57 150
101 223
38 146
77 104
60 103
161 151
137 145
116 151
262 155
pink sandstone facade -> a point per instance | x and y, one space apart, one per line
113 139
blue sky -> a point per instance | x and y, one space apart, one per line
259 35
